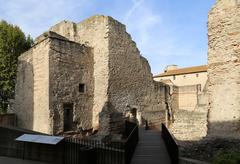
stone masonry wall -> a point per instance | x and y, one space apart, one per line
121 74
7 120
224 69
71 64
190 124
187 97
159 102
92 32
130 78
32 99
24 91
41 88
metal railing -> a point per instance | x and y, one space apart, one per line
131 142
171 145
72 150
32 151
80 151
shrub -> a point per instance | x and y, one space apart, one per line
227 157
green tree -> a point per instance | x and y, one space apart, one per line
13 42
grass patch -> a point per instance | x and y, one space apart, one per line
227 157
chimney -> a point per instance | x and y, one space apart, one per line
170 67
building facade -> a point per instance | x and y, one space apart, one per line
187 85
188 76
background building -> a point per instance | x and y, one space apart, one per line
187 85
196 75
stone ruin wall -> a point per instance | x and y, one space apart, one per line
111 67
48 76
32 98
190 118
224 69
7 120
92 32
130 79
70 64
187 97
220 100
121 75
126 69
157 103
24 91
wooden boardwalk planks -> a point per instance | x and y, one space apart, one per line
151 148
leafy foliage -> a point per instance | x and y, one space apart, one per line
224 157
13 42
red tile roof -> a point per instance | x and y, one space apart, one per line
187 70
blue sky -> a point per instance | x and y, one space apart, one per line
166 31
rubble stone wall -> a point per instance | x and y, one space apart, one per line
23 104
32 98
7 120
92 32
223 69
121 75
187 97
71 64
130 78
190 124
111 67
41 88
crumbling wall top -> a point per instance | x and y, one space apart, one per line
48 34
227 3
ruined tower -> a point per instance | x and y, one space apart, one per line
72 71
224 69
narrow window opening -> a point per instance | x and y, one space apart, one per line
199 87
174 77
82 88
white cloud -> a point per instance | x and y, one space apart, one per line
140 21
136 4
158 42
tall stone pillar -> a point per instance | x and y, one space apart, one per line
224 69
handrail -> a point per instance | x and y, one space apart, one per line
131 141
171 145
131 133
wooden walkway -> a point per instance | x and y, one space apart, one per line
151 148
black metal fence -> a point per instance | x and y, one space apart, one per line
32 151
171 145
80 151
71 150
131 142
